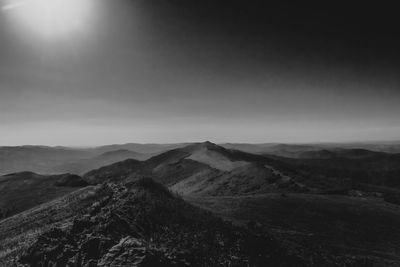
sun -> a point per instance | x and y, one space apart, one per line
50 18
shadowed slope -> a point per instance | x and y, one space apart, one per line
22 191
346 231
84 165
115 172
347 168
203 168
57 160
21 230
142 224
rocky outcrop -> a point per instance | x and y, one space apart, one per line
139 253
143 224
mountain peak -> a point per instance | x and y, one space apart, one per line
205 145
208 144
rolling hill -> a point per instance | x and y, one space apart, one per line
347 168
51 160
204 169
37 159
58 160
150 149
22 191
84 165
343 230
293 150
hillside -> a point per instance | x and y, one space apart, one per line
84 165
140 224
149 149
333 153
289 207
114 172
344 230
346 168
22 191
205 169
20 231
209 169
293 150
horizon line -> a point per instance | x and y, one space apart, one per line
218 143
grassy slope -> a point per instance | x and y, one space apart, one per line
349 166
202 168
20 231
334 225
22 191
147 212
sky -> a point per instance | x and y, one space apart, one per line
98 72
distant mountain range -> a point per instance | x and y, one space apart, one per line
294 150
207 169
58 160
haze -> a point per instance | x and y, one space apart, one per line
174 71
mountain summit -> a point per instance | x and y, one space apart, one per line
203 169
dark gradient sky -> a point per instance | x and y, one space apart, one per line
189 70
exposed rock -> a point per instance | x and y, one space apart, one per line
138 253
143 224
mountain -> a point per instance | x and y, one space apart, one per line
283 150
355 153
37 159
294 150
290 151
332 153
84 165
137 224
343 230
22 191
151 149
114 172
53 160
346 168
58 160
204 169
249 148
385 147
122 153
210 169
315 154
168 168
312 210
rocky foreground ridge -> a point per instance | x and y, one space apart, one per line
143 224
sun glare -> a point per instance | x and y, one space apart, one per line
51 18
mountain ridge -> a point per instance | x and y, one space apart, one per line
217 169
